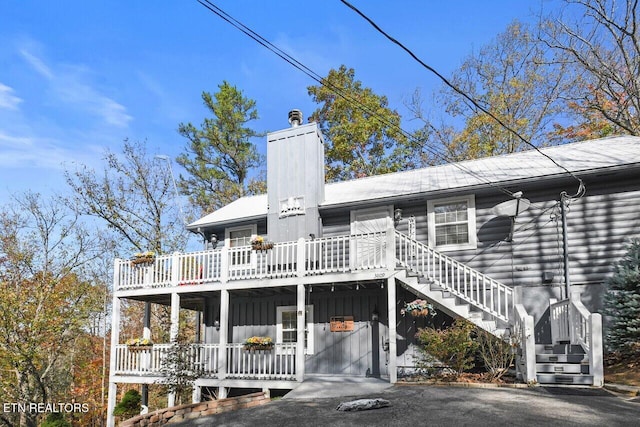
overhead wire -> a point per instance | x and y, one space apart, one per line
475 103
321 80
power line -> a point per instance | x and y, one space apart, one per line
355 102
475 103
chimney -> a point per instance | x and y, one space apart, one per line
295 180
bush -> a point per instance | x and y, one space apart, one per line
452 347
129 406
55 419
497 353
622 303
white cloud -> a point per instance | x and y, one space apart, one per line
37 64
71 85
7 99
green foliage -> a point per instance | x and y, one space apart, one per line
362 134
452 347
507 79
129 406
622 302
55 419
220 154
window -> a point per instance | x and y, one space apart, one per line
240 236
452 223
287 326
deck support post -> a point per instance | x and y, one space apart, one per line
224 331
115 336
391 304
300 341
173 333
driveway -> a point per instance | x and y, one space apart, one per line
423 405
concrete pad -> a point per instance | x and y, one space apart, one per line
315 387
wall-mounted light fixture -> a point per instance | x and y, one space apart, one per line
216 324
397 216
214 241
375 315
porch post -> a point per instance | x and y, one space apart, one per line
173 333
224 332
115 333
146 333
390 252
393 351
300 341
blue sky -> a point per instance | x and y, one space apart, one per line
77 77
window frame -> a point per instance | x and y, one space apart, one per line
309 348
472 242
253 229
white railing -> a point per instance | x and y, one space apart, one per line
462 281
140 360
286 259
571 322
523 328
275 364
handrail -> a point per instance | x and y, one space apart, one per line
523 328
461 280
572 322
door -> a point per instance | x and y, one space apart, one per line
369 241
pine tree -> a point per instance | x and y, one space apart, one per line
622 303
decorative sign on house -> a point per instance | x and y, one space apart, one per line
341 324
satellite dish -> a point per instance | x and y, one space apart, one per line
511 208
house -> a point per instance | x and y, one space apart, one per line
482 239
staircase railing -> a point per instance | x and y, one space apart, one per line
523 328
572 322
461 280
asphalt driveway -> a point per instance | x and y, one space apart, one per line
423 405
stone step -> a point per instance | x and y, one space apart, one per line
579 379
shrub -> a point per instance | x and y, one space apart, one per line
622 303
129 406
497 353
452 347
55 419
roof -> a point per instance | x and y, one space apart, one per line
577 157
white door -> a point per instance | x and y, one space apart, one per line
369 242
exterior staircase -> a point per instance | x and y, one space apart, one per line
449 303
460 291
562 364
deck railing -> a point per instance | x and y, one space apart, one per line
275 364
459 279
287 259
572 323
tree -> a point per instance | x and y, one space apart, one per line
45 252
363 135
508 79
600 41
133 197
622 303
179 372
220 156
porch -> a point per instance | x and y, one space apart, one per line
278 363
